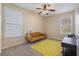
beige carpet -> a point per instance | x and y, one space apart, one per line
20 50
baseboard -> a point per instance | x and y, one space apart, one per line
55 39
15 44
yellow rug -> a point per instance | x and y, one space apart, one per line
47 47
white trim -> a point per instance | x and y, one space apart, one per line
0 29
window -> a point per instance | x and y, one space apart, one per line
66 25
12 22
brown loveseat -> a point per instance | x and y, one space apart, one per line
35 36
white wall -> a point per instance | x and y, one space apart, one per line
0 28
77 21
77 28
49 25
52 25
28 19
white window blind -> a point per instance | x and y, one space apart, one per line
12 22
66 25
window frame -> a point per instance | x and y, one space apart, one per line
4 23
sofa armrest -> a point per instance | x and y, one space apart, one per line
28 37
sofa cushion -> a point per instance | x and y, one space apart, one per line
35 34
38 38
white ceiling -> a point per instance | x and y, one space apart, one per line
59 7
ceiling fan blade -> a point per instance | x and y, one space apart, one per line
46 13
44 7
52 10
39 8
40 12
49 5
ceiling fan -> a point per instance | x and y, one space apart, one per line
45 9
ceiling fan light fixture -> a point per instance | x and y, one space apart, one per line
45 12
45 9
